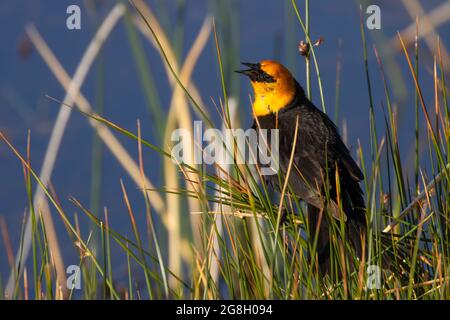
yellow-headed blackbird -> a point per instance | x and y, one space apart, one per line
279 101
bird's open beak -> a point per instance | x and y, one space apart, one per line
253 68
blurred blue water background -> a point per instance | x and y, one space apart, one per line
267 30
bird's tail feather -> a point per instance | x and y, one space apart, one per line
354 208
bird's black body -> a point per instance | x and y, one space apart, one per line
319 156
319 151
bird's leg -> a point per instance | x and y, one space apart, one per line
284 214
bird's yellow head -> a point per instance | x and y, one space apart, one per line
273 85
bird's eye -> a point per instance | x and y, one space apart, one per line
264 77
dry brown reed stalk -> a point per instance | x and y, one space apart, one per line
7 241
217 227
180 118
166 46
428 26
104 133
438 16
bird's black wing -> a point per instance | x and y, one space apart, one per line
318 148
342 154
